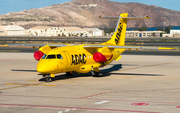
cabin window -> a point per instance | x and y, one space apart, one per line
44 56
51 57
59 56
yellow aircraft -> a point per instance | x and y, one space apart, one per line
83 58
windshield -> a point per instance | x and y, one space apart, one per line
59 56
44 56
51 57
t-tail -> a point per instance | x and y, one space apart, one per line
118 37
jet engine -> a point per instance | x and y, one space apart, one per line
38 55
102 57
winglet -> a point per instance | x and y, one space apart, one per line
166 48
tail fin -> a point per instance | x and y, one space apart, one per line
120 32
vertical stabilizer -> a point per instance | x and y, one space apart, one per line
120 32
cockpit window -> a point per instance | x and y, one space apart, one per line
51 57
59 56
44 56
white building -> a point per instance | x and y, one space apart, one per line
143 33
75 31
46 31
94 32
57 31
167 35
174 31
12 30
38 31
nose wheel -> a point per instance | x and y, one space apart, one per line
48 78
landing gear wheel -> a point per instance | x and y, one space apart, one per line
95 74
69 74
48 78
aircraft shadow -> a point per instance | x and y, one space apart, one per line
136 74
113 68
125 64
103 73
119 66
75 75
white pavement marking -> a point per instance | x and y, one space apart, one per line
74 109
60 111
67 110
102 102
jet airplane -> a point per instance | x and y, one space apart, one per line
83 58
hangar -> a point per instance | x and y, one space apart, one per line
12 30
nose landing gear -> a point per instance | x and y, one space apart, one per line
47 78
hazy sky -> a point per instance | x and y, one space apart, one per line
7 6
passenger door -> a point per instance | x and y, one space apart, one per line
67 60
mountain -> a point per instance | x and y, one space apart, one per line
85 13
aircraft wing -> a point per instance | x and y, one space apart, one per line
125 47
92 46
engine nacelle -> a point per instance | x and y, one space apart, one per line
102 57
38 55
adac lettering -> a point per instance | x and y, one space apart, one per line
78 59
118 33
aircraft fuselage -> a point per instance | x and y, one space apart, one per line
72 59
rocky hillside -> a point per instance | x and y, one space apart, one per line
85 13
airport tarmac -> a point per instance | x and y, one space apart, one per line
134 84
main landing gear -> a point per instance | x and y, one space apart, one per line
69 74
47 78
95 72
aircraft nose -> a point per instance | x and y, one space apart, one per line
44 68
41 70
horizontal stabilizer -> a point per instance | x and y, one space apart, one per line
128 18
